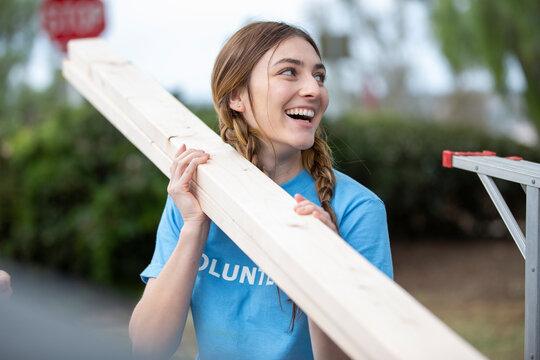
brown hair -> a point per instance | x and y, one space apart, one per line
231 72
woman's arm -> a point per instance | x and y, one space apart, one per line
158 320
323 347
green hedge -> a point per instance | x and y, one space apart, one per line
401 161
77 196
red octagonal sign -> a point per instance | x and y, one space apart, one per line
71 19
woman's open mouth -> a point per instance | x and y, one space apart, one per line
300 114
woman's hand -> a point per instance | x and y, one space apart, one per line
5 284
305 207
183 168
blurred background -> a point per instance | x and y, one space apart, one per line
79 205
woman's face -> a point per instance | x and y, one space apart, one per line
288 95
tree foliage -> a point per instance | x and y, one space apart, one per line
489 33
18 25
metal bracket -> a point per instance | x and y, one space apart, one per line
504 211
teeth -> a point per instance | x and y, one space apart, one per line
298 111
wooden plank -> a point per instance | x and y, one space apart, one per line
365 313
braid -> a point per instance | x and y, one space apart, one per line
318 162
235 131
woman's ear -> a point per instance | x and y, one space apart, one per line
236 102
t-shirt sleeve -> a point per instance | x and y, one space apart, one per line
365 228
166 239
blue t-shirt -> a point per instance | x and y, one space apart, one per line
236 310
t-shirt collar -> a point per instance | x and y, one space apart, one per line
297 183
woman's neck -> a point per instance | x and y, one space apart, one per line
281 167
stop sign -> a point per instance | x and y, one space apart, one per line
64 20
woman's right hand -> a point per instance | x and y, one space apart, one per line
183 168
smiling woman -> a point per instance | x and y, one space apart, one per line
268 90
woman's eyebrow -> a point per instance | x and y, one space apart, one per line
298 63
319 66
289 61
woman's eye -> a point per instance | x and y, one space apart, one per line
319 77
288 72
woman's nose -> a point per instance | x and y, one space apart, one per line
310 87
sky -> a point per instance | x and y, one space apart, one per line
176 42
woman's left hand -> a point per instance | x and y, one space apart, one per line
5 284
305 207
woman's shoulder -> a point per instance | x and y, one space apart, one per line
349 190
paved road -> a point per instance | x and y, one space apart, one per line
56 317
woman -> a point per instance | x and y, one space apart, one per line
268 90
